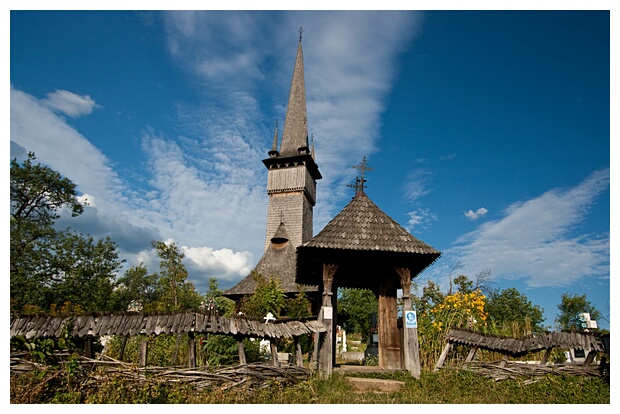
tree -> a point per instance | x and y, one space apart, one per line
176 292
136 284
50 266
267 297
431 296
570 307
356 306
87 271
510 310
464 285
225 306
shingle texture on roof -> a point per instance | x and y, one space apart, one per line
278 261
295 134
366 244
361 225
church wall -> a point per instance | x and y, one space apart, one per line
287 207
292 192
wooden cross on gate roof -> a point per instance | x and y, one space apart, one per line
359 182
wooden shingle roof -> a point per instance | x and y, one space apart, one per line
361 225
277 261
364 240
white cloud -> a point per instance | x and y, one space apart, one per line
416 185
69 103
419 219
224 263
181 204
535 240
473 215
87 199
348 77
206 185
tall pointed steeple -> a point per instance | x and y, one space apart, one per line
274 147
292 175
295 135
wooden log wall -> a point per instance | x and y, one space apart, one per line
130 324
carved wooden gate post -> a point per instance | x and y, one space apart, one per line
411 349
389 337
327 315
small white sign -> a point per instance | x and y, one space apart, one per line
411 320
328 312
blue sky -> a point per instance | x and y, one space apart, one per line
488 131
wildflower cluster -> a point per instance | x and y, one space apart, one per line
459 310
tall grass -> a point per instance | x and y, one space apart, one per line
443 387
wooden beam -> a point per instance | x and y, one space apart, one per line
442 357
589 358
327 316
410 346
472 354
298 354
545 357
389 335
143 353
191 350
122 351
504 361
241 350
88 347
274 353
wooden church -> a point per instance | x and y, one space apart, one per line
362 247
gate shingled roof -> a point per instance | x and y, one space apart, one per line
363 240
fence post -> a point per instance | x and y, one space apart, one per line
143 353
274 353
300 357
123 344
241 350
191 348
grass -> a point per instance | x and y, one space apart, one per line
443 387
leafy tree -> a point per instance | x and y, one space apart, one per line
176 293
136 284
481 282
464 285
431 296
225 306
50 266
87 272
356 306
510 310
570 307
267 297
297 307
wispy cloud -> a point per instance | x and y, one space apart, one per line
416 185
179 204
204 187
69 103
473 215
347 71
535 241
419 219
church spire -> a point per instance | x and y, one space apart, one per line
274 147
295 134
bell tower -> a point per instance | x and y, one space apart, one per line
292 171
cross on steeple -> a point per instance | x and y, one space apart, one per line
362 167
301 30
356 185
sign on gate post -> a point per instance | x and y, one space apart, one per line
411 321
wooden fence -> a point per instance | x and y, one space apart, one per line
590 342
130 323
